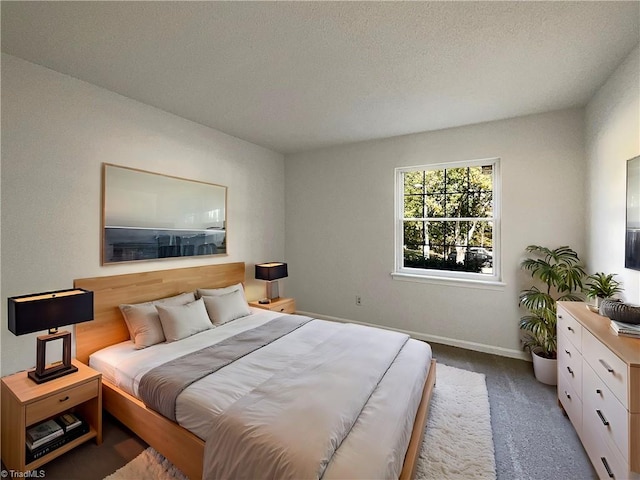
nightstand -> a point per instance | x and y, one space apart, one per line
25 403
284 305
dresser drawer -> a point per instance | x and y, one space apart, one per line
60 401
605 412
570 327
570 363
607 366
570 402
606 460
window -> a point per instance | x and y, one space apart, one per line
447 220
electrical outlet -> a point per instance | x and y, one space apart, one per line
358 300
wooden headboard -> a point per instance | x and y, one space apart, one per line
108 327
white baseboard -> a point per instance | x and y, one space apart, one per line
477 347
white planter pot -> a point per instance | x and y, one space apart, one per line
545 369
598 301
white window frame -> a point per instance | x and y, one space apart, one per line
448 276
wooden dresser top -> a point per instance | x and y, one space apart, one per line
627 348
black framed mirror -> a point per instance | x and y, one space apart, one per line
632 234
150 216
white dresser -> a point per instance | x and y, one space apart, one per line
599 389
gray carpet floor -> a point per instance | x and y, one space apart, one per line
532 438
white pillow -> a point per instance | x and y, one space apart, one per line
143 321
182 321
227 307
216 292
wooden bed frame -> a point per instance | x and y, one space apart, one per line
181 447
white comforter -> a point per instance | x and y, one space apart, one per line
375 445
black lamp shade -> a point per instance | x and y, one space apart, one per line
271 271
49 310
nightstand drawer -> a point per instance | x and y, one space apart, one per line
288 306
60 401
284 305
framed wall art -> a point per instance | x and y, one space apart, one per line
150 216
632 234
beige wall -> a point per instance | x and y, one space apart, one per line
56 133
612 138
340 238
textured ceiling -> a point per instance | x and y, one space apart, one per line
294 76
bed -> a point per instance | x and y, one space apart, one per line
107 336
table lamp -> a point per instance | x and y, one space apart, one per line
271 272
48 311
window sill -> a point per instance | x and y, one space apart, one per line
449 281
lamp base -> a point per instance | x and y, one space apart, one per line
52 373
272 290
43 374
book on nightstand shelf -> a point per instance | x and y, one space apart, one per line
35 453
68 422
627 329
43 433
47 436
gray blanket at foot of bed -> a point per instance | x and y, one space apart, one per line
159 387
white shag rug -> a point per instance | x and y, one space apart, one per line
458 444
149 465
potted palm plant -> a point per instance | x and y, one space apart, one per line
558 274
601 286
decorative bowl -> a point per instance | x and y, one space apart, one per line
620 311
